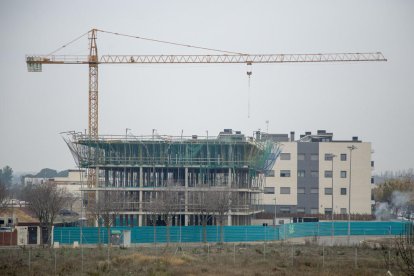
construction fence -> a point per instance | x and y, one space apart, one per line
212 234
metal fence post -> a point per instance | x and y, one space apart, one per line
234 253
30 252
356 257
264 243
318 234
323 255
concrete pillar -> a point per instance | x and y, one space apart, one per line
106 178
229 219
186 197
97 177
229 179
141 184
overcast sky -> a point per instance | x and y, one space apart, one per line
373 101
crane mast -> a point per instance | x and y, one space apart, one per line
93 85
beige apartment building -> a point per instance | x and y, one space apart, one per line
316 174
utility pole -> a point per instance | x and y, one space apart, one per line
351 148
332 156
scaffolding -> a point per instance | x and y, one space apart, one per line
144 167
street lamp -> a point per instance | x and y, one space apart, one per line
332 156
181 201
351 148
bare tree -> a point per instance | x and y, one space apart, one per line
4 196
45 201
222 201
107 206
95 208
401 251
405 255
164 204
169 207
205 206
151 208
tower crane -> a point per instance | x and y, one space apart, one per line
35 62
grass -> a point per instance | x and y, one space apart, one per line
227 259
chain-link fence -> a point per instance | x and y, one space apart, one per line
225 258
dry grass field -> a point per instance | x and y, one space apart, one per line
227 259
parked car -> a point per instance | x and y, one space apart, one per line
6 229
66 212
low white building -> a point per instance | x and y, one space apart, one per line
73 184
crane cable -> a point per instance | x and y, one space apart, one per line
249 71
172 43
249 74
70 42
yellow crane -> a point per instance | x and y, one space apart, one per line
35 62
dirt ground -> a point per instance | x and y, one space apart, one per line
199 259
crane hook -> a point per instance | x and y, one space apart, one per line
249 73
249 69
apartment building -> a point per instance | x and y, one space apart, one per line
317 174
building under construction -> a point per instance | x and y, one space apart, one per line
196 179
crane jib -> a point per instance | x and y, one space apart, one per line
34 61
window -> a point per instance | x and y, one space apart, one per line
314 173
285 190
269 190
285 156
343 211
285 173
372 164
301 173
300 210
343 174
328 211
328 191
328 156
285 210
314 157
314 191
372 180
343 156
343 191
301 190
301 156
328 174
314 211
270 173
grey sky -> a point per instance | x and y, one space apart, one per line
371 100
